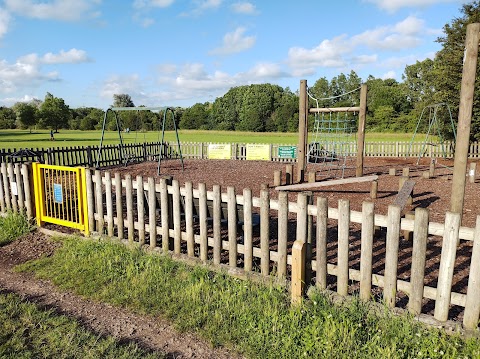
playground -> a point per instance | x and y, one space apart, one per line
433 193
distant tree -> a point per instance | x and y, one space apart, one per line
387 97
88 118
122 100
195 117
7 118
418 79
127 119
225 110
26 114
449 65
54 113
285 116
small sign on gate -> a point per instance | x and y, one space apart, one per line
57 193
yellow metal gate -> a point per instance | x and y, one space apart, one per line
60 196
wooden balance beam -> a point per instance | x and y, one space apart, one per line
307 186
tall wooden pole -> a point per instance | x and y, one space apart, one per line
465 117
361 130
302 131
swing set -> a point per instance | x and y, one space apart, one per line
125 157
434 128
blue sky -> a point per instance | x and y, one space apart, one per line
180 52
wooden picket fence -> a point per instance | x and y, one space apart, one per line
260 234
111 155
303 242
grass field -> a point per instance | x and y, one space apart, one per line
67 138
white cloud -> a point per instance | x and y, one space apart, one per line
329 53
188 82
244 8
4 22
10 101
389 75
208 4
394 5
64 10
139 4
265 71
407 33
234 42
27 71
200 6
143 7
119 84
72 56
342 51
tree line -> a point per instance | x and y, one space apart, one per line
391 105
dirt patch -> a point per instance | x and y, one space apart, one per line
154 334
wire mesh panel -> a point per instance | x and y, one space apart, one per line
60 196
334 144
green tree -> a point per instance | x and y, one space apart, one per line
122 100
285 115
127 119
26 114
448 65
7 118
225 110
88 118
54 113
195 117
382 95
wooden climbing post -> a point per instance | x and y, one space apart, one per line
465 117
361 130
302 131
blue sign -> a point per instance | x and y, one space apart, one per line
57 193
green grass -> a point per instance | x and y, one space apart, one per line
254 319
29 332
67 138
12 226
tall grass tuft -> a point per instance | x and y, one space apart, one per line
254 319
12 226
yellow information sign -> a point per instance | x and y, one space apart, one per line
219 151
258 152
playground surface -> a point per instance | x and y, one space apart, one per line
432 193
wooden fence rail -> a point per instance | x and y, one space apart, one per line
335 247
246 242
112 155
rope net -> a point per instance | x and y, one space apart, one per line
334 144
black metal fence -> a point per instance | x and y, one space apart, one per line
89 156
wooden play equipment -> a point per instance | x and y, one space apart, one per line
304 110
465 117
311 185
